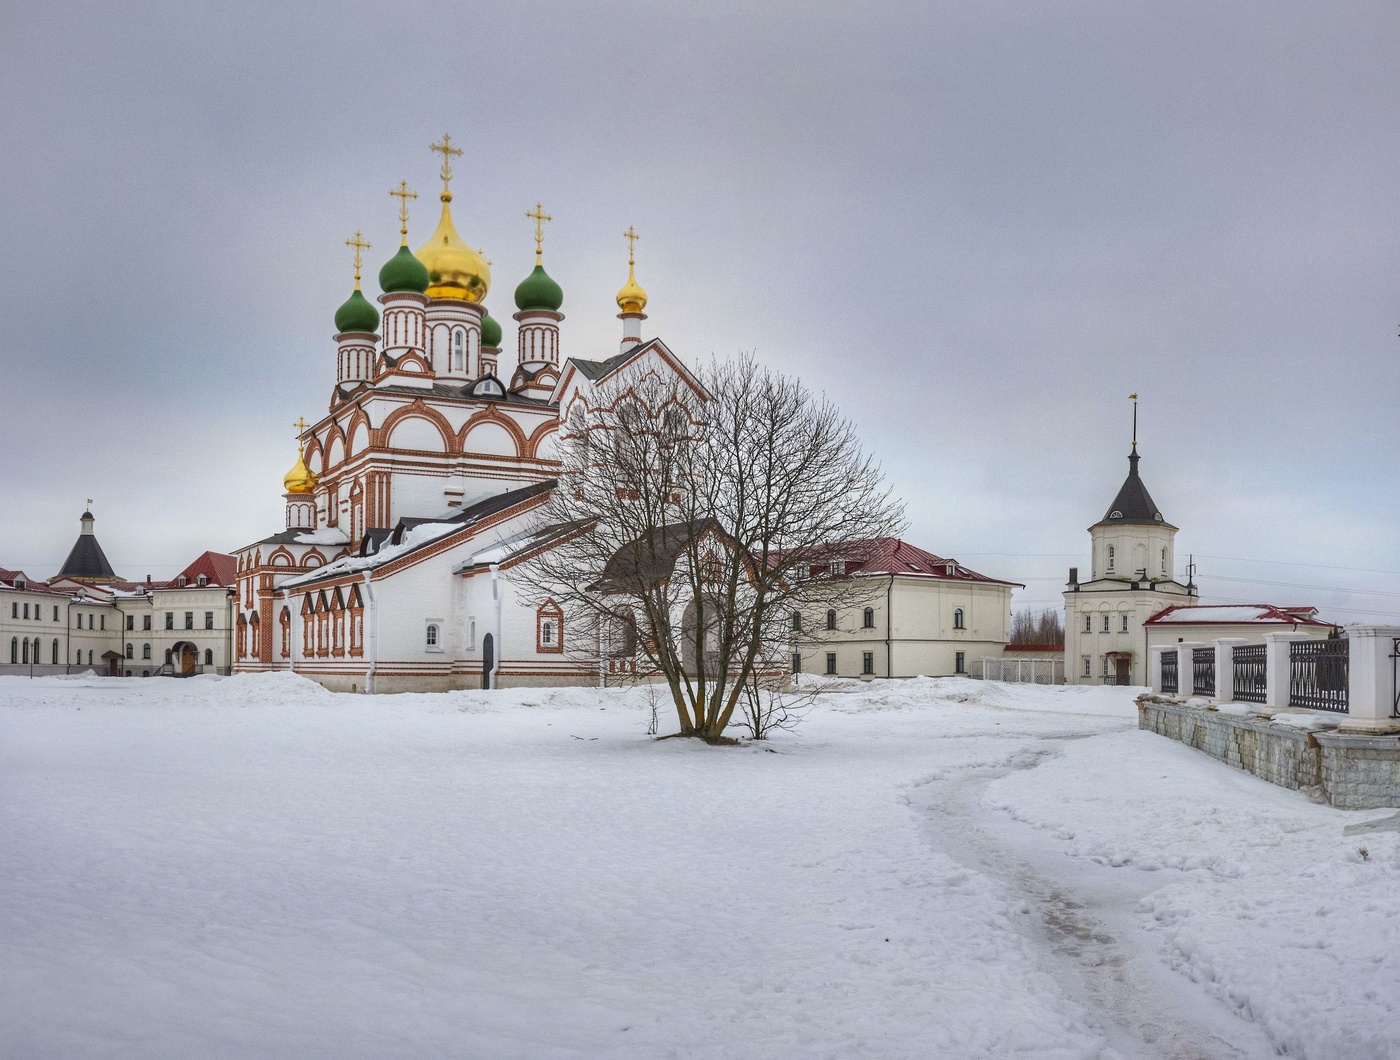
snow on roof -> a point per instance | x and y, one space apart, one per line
413 538
891 555
327 535
217 568
1236 614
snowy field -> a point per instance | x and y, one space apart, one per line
254 867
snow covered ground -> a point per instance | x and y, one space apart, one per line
254 867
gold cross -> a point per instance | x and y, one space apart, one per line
540 218
448 152
482 252
301 426
403 195
631 236
360 245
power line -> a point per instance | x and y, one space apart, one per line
1302 585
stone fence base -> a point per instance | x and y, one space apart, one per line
1349 771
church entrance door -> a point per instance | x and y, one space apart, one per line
1124 667
488 659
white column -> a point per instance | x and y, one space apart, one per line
1158 651
1225 668
1277 668
1371 678
1186 667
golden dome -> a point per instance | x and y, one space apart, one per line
455 270
300 479
631 299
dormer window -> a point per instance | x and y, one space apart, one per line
1119 515
838 567
180 581
202 580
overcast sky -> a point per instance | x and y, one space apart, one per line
977 226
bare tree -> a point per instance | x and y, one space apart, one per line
706 513
1037 627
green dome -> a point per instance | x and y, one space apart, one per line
403 272
490 332
356 314
538 291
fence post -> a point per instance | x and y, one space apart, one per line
1186 667
1225 668
1278 668
1371 671
1159 650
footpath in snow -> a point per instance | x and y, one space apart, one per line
254 867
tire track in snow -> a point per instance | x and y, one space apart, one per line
1083 929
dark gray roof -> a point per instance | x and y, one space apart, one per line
86 559
595 370
1133 503
651 559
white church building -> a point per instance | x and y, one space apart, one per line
412 496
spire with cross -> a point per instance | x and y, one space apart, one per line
631 236
301 426
448 152
360 246
1134 399
403 194
539 217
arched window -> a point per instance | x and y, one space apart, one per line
958 618
14 651
831 619
131 651
797 621
145 651
25 652
549 628
432 637
55 651
459 356
869 620
208 656
1110 559
1164 561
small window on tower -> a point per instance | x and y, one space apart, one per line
459 356
1164 561
1088 623
1110 559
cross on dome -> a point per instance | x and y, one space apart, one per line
540 217
631 236
448 153
403 194
360 246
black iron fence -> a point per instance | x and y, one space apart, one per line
1251 682
1169 672
1318 674
1203 671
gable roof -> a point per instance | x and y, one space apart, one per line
891 555
598 371
218 568
649 560
1235 615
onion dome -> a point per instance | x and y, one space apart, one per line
403 272
490 332
631 299
300 479
538 291
455 270
356 314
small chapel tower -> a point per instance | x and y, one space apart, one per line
300 484
1131 578
631 300
403 279
355 325
538 299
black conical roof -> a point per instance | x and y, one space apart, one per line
1133 503
86 560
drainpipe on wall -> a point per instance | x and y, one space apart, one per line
889 628
496 622
292 623
373 636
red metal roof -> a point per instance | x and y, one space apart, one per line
890 555
1235 615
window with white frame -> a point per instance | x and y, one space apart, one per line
1124 623
868 620
1088 666
867 662
432 637
1088 623
831 662
1105 666
960 662
1105 623
459 340
1110 559
958 618
831 619
1164 561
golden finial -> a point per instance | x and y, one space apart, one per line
631 299
300 479
448 152
540 217
360 245
403 195
1133 399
